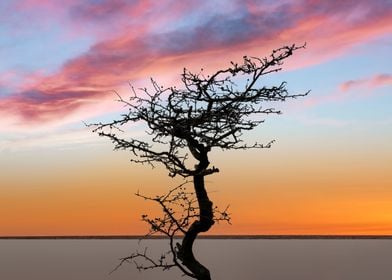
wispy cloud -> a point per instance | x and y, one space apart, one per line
56 139
60 138
349 90
137 49
370 83
315 121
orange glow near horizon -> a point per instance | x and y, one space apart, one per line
95 196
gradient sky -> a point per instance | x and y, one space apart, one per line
330 171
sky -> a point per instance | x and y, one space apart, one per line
329 172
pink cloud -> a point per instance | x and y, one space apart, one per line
138 53
371 82
344 92
381 80
7 78
35 107
100 19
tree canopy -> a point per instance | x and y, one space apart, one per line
209 111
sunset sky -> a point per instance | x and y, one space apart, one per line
329 172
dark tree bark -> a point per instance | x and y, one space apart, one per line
205 222
209 112
205 218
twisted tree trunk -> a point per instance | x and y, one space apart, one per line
204 223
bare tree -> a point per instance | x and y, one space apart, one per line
184 125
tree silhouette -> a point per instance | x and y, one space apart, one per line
184 125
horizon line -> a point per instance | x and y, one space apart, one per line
231 236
